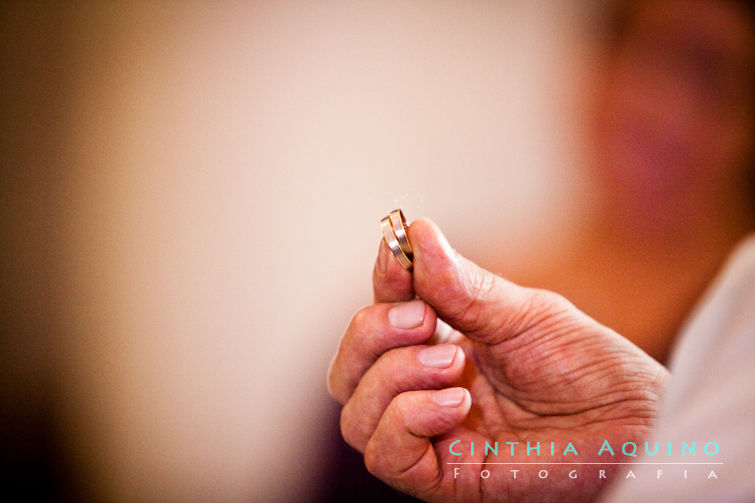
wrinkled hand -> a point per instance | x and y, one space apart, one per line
520 365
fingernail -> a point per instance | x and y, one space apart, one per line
382 260
437 356
407 314
450 397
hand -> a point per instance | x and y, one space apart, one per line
520 365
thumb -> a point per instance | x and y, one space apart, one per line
482 305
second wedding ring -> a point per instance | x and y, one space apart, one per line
395 236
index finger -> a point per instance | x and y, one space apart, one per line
390 281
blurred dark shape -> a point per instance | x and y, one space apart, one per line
33 104
349 481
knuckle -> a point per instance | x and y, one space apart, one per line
472 307
373 458
544 306
478 282
357 334
349 428
552 303
361 318
391 370
400 407
391 363
331 381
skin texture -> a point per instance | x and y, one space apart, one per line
524 365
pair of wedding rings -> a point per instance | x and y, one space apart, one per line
394 234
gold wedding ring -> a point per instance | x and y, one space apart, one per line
394 233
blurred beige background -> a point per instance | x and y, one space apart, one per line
203 183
